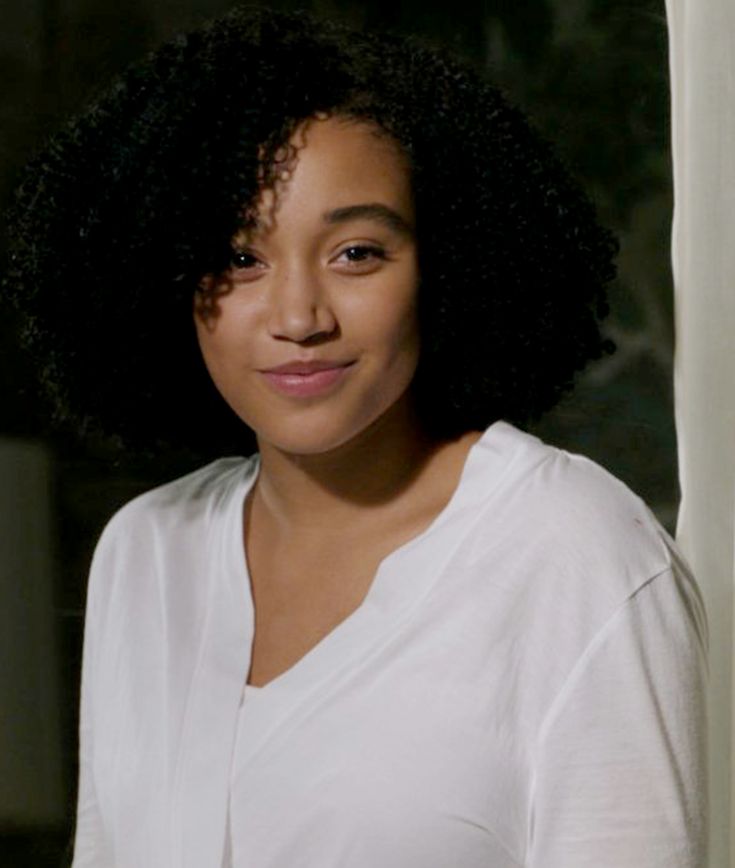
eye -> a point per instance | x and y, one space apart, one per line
357 255
242 259
245 266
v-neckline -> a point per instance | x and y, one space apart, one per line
343 638
403 580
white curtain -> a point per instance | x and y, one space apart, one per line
702 63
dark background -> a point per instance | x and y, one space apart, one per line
593 75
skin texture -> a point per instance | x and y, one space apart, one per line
348 475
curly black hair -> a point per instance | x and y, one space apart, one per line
116 221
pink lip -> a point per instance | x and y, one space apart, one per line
307 366
305 379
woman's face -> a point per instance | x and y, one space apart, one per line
312 335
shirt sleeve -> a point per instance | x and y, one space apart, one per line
620 770
90 842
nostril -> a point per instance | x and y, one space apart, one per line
316 338
302 323
319 338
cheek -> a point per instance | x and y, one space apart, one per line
224 329
209 339
389 315
400 326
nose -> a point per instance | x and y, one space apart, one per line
300 308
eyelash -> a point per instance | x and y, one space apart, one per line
237 266
374 251
366 251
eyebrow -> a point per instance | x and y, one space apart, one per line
371 211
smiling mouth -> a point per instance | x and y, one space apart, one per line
305 380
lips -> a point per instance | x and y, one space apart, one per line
306 379
306 367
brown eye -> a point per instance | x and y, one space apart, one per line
363 253
241 259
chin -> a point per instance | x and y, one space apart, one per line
299 443
320 433
320 429
310 436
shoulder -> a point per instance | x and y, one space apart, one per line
579 530
163 538
195 497
575 560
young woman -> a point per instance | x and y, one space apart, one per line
403 632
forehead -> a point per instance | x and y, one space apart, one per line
334 163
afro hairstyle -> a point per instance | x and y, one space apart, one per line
117 219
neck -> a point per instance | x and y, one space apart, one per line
348 486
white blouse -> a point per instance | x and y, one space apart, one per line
523 685
248 692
